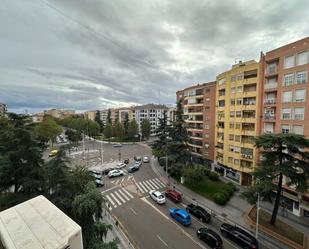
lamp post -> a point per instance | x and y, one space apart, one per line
257 216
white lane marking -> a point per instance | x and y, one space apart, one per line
120 197
140 188
148 186
109 189
123 194
159 182
130 177
122 180
161 240
155 184
133 211
118 202
128 193
117 182
144 187
112 181
111 201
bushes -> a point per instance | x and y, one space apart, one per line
220 198
213 176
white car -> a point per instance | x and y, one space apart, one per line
157 196
145 159
121 165
116 172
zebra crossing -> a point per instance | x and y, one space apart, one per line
122 180
150 184
118 198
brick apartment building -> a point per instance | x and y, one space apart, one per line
198 103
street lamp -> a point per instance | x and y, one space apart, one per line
257 216
166 169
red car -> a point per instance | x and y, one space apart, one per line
173 195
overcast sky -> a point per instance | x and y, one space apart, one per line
93 54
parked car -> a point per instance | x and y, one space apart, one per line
95 173
126 160
106 171
133 168
180 215
210 237
173 195
145 159
115 172
120 165
137 158
198 212
241 237
157 196
53 153
99 182
117 145
138 163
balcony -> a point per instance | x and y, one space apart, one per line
270 86
271 70
269 117
269 101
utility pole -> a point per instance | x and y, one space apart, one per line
166 169
101 144
257 216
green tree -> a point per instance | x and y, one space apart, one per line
145 128
93 128
108 131
193 175
118 130
48 130
283 155
159 146
99 120
73 135
109 116
126 124
133 128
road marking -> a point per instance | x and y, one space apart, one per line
153 186
122 180
143 187
112 181
111 201
128 193
112 195
109 189
133 211
120 191
159 182
148 186
161 240
120 197
139 187
117 182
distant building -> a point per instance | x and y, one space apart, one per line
38 223
90 115
152 112
114 115
59 113
171 115
123 112
37 117
103 116
3 109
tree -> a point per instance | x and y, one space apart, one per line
133 128
48 130
73 135
93 128
109 116
145 128
108 131
193 175
126 124
99 120
162 132
118 130
283 156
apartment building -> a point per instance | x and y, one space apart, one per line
152 112
171 115
90 115
237 115
38 223
59 113
123 112
3 109
198 102
285 105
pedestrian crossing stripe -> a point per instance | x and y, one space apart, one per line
128 193
141 187
118 197
126 197
148 185
118 202
155 184
111 201
151 184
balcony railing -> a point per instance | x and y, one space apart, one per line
270 85
269 101
269 117
247 156
272 70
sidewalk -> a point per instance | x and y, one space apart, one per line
233 212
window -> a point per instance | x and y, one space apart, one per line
233 78
231 148
299 113
238 101
239 89
286 97
221 103
237 126
233 90
238 114
288 79
232 101
299 95
298 129
237 149
236 161
191 101
230 159
232 114
301 77
206 126
302 58
289 61
237 138
231 125
286 114
271 68
221 82
231 137
285 129
240 76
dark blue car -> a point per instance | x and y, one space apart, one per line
181 216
